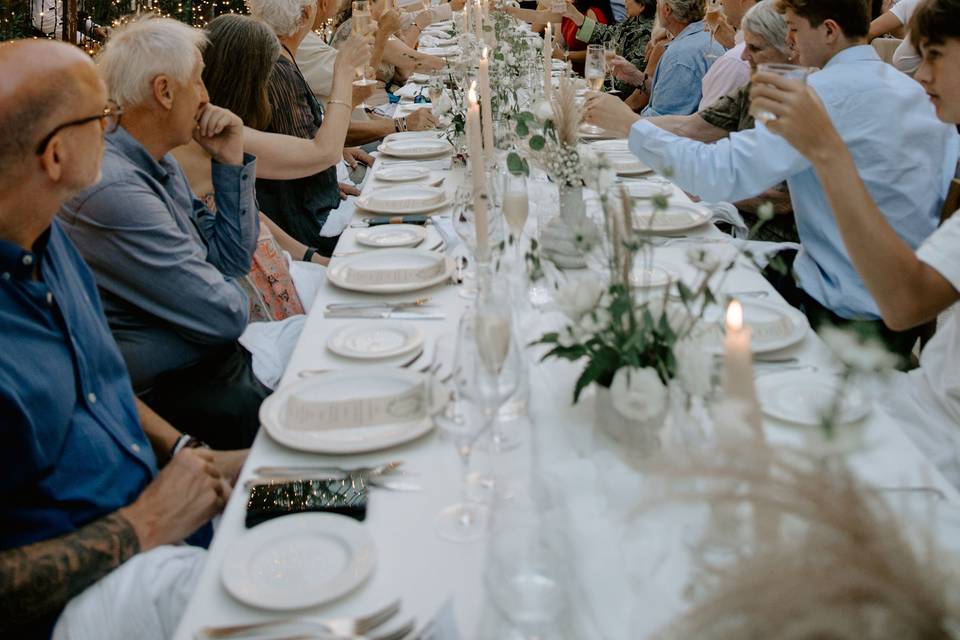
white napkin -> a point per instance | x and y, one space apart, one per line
271 344
410 90
762 251
339 218
726 212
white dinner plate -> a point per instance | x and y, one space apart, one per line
416 147
375 340
442 52
587 134
678 216
802 397
298 561
419 78
405 198
360 382
773 325
626 164
390 270
402 173
618 146
386 236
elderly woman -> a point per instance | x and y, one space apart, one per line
302 207
765 35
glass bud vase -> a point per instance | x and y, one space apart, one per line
632 440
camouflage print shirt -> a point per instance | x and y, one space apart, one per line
730 112
630 38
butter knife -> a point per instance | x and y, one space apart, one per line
385 314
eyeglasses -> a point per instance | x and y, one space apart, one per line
109 122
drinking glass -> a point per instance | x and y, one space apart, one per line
609 53
793 71
594 67
463 423
516 207
712 18
464 224
361 21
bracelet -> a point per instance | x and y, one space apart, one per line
400 124
186 441
343 102
308 254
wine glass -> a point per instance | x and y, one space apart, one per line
594 70
516 207
464 224
712 18
609 53
361 21
463 423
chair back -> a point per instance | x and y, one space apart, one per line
885 48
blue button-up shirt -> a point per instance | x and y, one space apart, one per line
904 154
676 88
619 9
72 446
165 265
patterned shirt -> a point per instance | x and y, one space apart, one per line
730 112
629 37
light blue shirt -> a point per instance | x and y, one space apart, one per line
619 9
904 154
676 89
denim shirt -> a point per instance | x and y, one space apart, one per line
73 448
677 89
904 154
165 265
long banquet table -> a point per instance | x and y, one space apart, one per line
413 562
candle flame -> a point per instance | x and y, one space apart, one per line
735 315
483 54
472 93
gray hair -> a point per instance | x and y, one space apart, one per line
283 16
764 20
687 10
144 48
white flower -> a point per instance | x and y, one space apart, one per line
694 366
579 296
765 211
566 338
543 111
597 172
638 394
703 259
862 356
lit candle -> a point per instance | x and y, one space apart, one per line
547 56
478 24
486 111
478 173
738 366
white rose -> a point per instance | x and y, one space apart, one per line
638 394
566 338
579 296
694 366
595 321
543 111
703 259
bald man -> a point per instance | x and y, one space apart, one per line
80 493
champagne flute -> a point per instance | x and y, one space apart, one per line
712 18
516 207
594 70
609 53
464 521
360 23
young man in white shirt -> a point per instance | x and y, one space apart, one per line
910 288
904 154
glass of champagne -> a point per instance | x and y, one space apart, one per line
516 207
609 53
713 17
361 21
594 70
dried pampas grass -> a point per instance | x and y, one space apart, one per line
567 116
844 571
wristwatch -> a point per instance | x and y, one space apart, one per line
186 441
308 254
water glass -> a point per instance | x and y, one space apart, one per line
791 71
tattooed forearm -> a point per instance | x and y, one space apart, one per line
37 581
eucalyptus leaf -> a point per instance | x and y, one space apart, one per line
538 142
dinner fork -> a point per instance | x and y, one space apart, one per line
336 628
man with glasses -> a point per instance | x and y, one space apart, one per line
166 266
80 493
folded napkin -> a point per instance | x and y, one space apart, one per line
726 212
410 90
762 251
271 345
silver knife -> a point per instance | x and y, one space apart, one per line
387 314
336 306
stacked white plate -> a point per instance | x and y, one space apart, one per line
386 236
404 199
804 397
678 216
611 146
353 394
442 52
298 561
645 189
650 277
415 147
402 173
390 270
773 326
